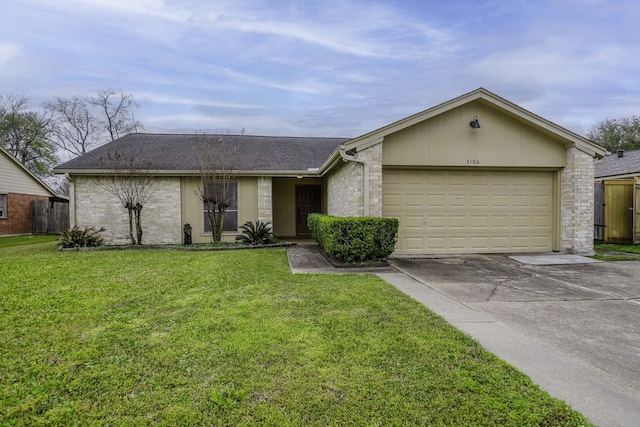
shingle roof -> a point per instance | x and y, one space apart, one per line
177 152
612 165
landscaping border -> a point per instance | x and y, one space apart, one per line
178 248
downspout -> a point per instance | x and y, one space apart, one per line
72 200
349 158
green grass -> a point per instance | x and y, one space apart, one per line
232 338
616 252
633 249
6 242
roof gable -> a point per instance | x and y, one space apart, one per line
482 95
447 140
16 178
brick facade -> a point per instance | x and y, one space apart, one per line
265 199
374 156
161 216
577 203
345 186
344 190
19 218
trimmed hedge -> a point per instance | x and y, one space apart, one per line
354 239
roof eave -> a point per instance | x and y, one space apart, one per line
311 172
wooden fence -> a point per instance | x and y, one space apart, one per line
49 217
598 211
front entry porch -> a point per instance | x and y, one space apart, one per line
293 200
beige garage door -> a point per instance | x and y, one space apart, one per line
470 211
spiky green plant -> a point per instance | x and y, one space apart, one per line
258 233
77 238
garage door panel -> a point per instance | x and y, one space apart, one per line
435 200
414 243
541 221
470 211
393 200
541 242
458 243
413 222
436 221
458 222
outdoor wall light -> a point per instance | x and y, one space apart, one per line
475 124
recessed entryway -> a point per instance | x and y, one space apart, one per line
308 200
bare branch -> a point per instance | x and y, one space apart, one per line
116 111
73 127
217 162
130 181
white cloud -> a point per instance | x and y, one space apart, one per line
349 27
194 102
544 66
149 8
8 53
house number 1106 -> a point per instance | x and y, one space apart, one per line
473 162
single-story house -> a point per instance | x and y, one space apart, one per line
476 174
19 191
617 197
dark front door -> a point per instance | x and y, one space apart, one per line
308 198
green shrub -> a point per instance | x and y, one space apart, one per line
256 234
78 238
313 224
357 239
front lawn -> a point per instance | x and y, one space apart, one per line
10 241
232 338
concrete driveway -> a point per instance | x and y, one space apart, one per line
574 329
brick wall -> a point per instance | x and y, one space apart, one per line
344 190
19 219
374 156
161 216
265 199
345 186
577 203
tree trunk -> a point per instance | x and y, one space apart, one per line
139 223
212 223
219 225
133 240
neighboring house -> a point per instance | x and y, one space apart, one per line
509 182
617 197
19 190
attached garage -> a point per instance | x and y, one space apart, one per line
476 174
470 211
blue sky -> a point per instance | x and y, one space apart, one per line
324 68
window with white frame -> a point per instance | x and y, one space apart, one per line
3 205
230 214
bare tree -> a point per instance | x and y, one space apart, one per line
73 127
116 112
217 162
132 184
78 124
23 133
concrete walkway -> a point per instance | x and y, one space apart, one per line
559 374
